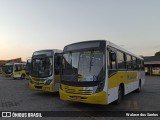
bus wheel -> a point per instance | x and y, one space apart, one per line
139 87
120 94
22 76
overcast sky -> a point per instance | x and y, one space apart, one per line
30 25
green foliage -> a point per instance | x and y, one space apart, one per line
157 53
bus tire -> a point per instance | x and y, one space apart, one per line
22 76
120 94
138 90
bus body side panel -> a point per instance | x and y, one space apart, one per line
114 80
132 81
18 74
112 94
128 78
142 77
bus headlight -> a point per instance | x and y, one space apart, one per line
100 87
47 82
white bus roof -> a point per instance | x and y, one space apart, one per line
14 63
55 50
108 43
9 63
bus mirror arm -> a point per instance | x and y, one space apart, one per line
113 56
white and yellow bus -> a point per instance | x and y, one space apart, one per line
14 70
7 69
155 70
44 73
99 72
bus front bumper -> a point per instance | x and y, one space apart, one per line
97 98
9 75
46 88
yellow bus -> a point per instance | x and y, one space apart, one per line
44 73
14 70
155 70
99 72
7 69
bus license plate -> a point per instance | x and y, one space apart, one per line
77 97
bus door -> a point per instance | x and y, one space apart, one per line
17 70
112 71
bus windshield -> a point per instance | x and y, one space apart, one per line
8 69
41 66
83 66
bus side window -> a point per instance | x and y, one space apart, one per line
134 61
24 67
140 64
19 67
111 59
121 60
129 62
16 68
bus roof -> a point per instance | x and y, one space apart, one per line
55 50
14 63
9 64
122 49
108 43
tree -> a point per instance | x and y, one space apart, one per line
157 53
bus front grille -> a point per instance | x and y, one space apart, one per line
38 87
81 92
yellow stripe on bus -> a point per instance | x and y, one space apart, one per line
122 77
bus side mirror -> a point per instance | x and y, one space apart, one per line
113 56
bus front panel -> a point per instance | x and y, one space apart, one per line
83 74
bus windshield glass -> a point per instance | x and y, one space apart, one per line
8 69
83 66
41 65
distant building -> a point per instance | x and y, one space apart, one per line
18 60
152 65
